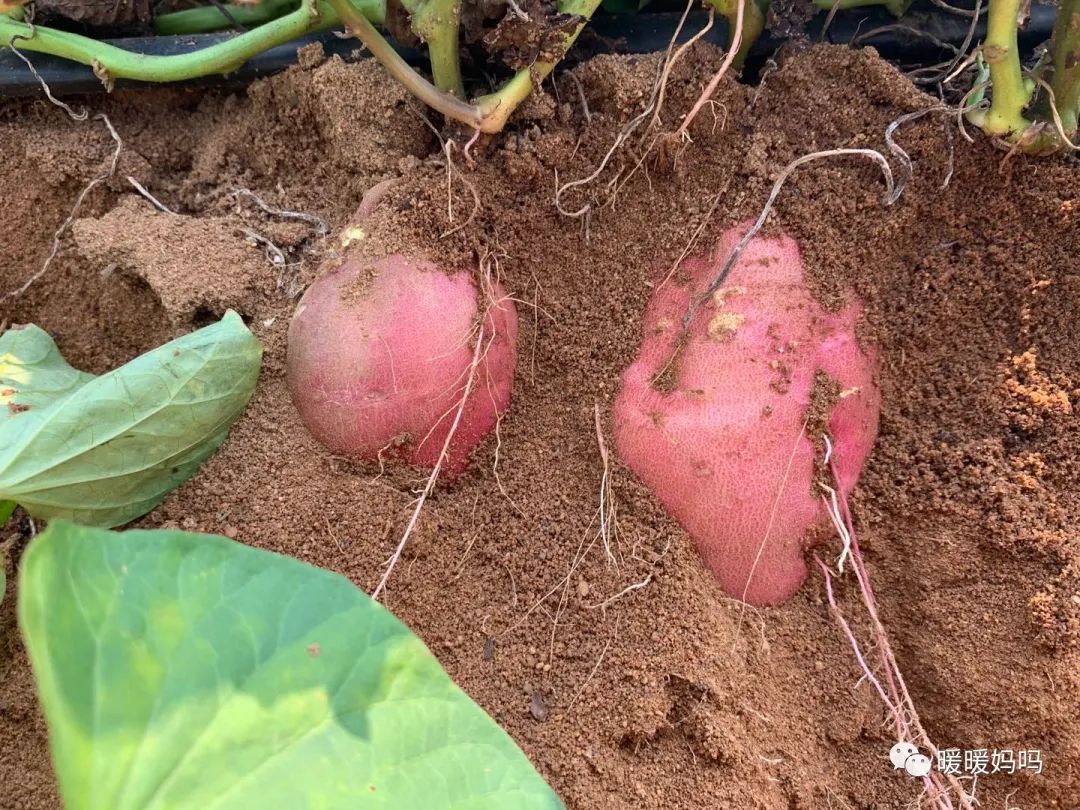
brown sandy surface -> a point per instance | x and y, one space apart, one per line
670 695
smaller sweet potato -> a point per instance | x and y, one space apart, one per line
380 353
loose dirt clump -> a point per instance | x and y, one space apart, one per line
538 35
627 695
165 251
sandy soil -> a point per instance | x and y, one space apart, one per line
670 695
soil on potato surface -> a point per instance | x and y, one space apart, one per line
669 695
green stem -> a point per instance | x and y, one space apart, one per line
895 7
1010 95
206 19
753 24
111 62
436 22
489 113
498 106
1065 53
442 102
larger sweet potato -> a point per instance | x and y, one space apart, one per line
720 429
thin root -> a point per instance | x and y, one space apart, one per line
451 170
669 63
710 88
893 692
636 586
581 96
158 204
468 146
962 12
890 197
768 527
693 239
434 476
655 98
596 667
58 235
320 225
1054 114
907 169
609 529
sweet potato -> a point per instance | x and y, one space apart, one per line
381 352
721 429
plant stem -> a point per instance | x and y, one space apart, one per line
111 62
498 106
489 113
753 24
206 19
1000 50
436 22
1065 52
895 7
448 105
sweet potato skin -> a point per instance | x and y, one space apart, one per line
380 352
720 433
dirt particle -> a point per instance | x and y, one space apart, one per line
724 325
537 706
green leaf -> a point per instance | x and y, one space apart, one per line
188 671
32 373
114 446
6 510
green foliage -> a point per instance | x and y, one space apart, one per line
183 671
33 375
895 7
6 508
105 450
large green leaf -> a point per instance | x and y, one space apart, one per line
188 671
33 375
113 447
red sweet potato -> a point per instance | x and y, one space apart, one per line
380 353
720 432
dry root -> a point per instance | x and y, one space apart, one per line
939 789
733 49
609 527
650 113
421 499
61 232
892 193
